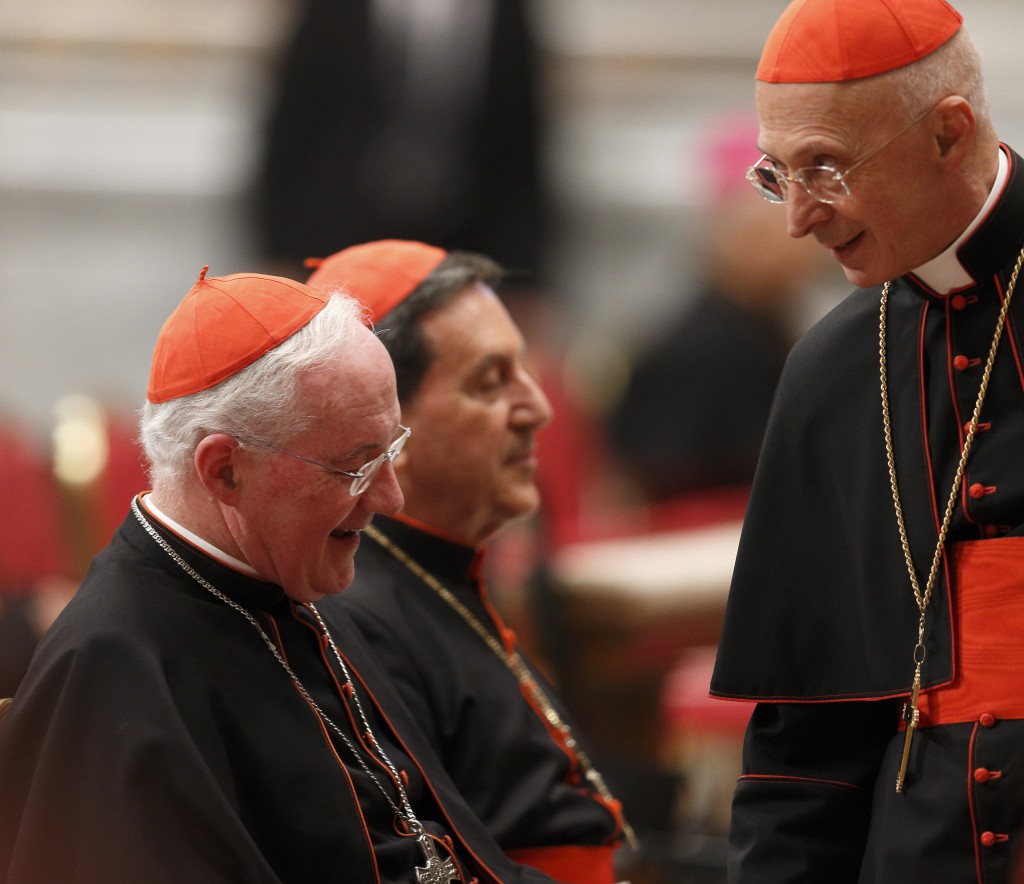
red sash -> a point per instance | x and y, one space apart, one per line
573 864
988 628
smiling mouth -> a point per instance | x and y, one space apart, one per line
843 247
345 533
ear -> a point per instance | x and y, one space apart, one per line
217 460
955 128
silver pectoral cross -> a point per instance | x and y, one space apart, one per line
437 870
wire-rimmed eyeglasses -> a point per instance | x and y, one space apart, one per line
361 478
825 183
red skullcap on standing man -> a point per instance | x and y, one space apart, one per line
831 41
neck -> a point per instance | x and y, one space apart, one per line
944 273
196 540
198 513
453 536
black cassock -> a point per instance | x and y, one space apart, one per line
821 621
525 787
155 738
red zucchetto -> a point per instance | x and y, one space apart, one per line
830 41
224 324
380 275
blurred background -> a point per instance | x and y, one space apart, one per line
595 147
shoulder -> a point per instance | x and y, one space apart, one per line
382 593
390 613
844 326
833 357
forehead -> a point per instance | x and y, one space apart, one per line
356 386
471 326
798 120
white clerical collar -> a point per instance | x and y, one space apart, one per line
944 273
196 540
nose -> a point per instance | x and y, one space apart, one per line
384 494
533 410
804 212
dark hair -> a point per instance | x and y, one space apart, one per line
401 331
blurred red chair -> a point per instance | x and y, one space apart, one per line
99 466
33 545
703 741
123 477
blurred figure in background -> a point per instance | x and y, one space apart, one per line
413 119
694 410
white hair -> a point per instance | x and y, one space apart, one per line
952 69
262 400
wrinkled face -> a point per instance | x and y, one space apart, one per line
890 223
297 523
469 466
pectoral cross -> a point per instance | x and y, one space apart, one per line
911 716
436 871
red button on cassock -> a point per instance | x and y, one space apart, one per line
988 838
982 774
977 491
958 302
987 719
960 363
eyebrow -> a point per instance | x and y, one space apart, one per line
498 360
481 367
362 450
811 149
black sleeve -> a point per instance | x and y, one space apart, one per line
802 806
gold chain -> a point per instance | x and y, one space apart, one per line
518 667
923 598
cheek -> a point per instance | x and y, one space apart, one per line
898 245
894 215
313 516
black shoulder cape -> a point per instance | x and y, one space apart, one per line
821 606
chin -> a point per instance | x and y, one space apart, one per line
523 505
343 580
332 584
865 279
304 596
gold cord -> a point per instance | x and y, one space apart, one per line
911 712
